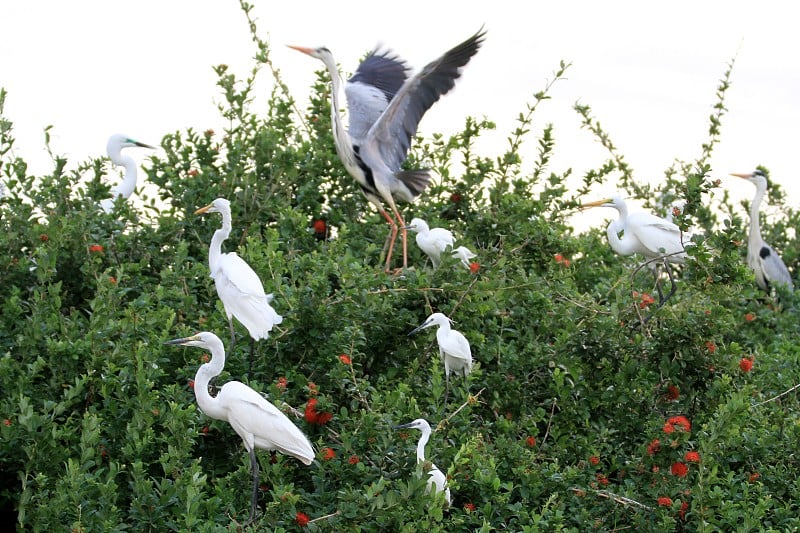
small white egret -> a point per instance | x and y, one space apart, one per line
385 107
432 241
464 254
259 423
114 148
647 235
454 348
762 258
436 479
238 286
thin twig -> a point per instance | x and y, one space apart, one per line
327 516
470 400
550 420
784 393
615 497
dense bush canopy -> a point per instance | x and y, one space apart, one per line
578 415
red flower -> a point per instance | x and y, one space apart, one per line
711 347
692 457
673 393
96 248
301 519
344 358
103 451
191 384
319 226
327 453
455 197
474 267
684 508
753 477
561 260
646 300
676 211
313 417
43 237
353 460
746 364
193 172
312 388
663 501
204 431
469 507
112 279
530 441
601 478
679 469
281 383
654 447
749 317
681 421
594 460
324 417
7 422
204 358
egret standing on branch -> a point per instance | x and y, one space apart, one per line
454 348
432 241
464 254
436 479
114 148
762 258
238 286
385 107
259 423
647 235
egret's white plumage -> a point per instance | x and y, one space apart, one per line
385 106
436 478
238 286
114 147
464 254
432 241
454 348
764 261
259 423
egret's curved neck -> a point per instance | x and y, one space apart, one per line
615 227
128 184
344 145
755 206
204 375
215 249
423 440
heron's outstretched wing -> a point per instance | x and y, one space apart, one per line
371 88
391 134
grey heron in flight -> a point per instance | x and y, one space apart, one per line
761 257
385 107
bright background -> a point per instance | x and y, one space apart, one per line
649 71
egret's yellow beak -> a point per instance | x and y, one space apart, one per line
598 203
203 209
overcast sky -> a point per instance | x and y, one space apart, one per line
649 71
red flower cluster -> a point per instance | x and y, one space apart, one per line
314 417
6 422
112 280
193 172
43 237
96 248
684 508
319 226
679 422
679 469
344 358
301 519
664 501
281 385
673 393
601 478
654 447
353 460
645 300
327 453
692 457
711 347
469 507
561 260
474 267
594 460
749 317
754 477
530 441
746 364
455 198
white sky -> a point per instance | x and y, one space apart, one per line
649 71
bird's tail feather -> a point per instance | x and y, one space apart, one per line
415 180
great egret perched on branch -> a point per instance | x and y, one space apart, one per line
114 148
647 235
238 286
432 241
436 479
385 107
259 423
454 348
762 258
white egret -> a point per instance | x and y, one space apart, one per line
432 241
464 254
647 235
454 348
762 258
238 286
114 148
436 479
259 423
385 107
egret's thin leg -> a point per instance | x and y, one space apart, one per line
254 468
250 359
446 390
673 284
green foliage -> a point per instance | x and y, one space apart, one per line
554 430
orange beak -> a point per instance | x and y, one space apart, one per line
745 176
307 51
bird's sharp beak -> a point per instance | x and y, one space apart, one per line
143 145
182 340
598 203
307 51
203 210
403 426
420 327
745 176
